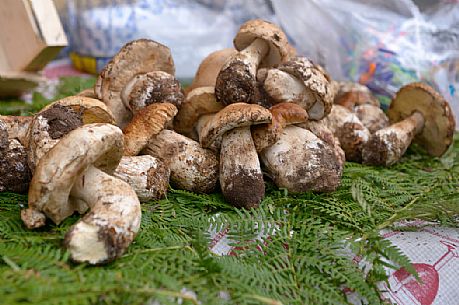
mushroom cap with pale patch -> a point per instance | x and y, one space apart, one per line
147 123
439 124
230 117
136 57
283 114
198 102
314 79
269 32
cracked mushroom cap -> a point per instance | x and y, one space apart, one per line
147 123
99 145
153 87
315 80
59 118
351 94
200 101
439 124
233 116
209 68
269 32
136 57
283 114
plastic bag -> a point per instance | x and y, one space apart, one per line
381 43
192 29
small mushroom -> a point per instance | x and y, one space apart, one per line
127 67
417 113
14 171
241 178
78 169
358 99
351 94
300 161
209 69
283 114
148 176
260 44
192 167
350 131
300 81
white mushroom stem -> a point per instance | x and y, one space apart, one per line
241 178
299 161
40 142
147 175
283 87
105 232
193 168
388 145
252 55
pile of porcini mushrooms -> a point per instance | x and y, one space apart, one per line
252 112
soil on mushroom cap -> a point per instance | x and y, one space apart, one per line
61 120
158 90
235 84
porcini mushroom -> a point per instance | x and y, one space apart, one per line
350 131
14 171
120 75
260 44
241 178
300 81
358 99
192 167
17 127
300 161
78 168
148 176
59 118
417 113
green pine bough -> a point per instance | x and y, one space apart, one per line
305 261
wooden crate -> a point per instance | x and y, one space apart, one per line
31 35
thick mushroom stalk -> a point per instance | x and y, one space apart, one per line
193 168
418 114
76 171
300 81
238 75
148 176
388 145
351 133
300 161
240 173
17 127
241 178
259 43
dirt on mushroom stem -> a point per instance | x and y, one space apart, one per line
61 120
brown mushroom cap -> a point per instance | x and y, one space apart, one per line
198 102
314 79
283 114
230 117
152 87
269 32
137 57
350 94
437 134
209 68
147 122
